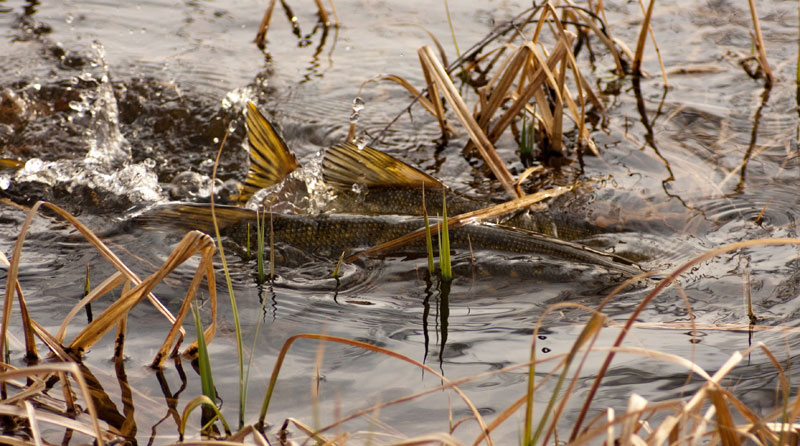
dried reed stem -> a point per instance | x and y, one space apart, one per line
436 71
261 35
759 42
637 59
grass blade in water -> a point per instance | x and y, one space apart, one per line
444 253
204 364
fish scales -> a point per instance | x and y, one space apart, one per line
330 235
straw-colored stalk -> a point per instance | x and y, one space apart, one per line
434 70
761 52
194 243
655 45
369 347
263 27
640 42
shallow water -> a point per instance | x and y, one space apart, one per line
118 99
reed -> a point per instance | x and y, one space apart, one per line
206 374
680 421
758 40
260 229
445 264
263 27
234 308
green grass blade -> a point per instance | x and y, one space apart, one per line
206 376
260 223
204 401
247 247
271 247
236 324
526 138
592 327
444 236
335 274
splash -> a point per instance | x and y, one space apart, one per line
108 149
106 169
238 98
302 192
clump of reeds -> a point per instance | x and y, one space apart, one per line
533 74
21 397
709 414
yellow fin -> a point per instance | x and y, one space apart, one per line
193 216
270 159
345 164
8 163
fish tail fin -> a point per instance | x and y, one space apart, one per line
346 164
270 158
190 216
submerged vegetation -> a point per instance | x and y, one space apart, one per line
527 85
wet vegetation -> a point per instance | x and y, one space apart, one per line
522 108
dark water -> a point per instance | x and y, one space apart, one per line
118 99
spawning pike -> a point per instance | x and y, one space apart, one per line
331 234
366 181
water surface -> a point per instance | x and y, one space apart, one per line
116 99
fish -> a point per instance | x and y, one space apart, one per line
331 235
385 204
365 181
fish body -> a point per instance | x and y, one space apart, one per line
376 199
329 235
362 180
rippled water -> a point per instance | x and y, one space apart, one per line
109 103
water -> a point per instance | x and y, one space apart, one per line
120 105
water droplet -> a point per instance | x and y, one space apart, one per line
33 165
360 143
358 104
358 188
216 140
207 164
99 49
149 163
77 106
5 182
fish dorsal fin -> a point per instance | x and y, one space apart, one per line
346 164
270 159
